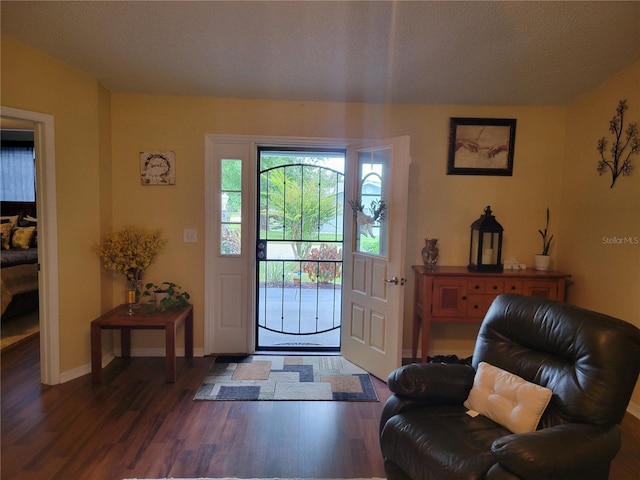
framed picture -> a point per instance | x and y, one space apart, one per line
481 146
157 168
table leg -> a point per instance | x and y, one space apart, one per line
426 327
96 353
170 354
125 342
416 335
188 335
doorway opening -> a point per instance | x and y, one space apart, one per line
20 319
299 242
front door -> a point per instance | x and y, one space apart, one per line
374 254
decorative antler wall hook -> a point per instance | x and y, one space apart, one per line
619 164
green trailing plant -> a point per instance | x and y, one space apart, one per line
546 243
175 299
619 163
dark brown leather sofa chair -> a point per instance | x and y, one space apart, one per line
591 363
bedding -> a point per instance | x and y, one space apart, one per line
18 280
18 258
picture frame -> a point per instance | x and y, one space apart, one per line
158 168
481 146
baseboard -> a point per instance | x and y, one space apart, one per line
75 373
158 352
634 409
108 357
85 369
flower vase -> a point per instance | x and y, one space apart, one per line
430 252
133 291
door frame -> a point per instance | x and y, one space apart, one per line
44 141
247 262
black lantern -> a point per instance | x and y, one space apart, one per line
485 254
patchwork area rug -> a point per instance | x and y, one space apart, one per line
229 478
273 377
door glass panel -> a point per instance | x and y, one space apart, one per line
370 207
231 207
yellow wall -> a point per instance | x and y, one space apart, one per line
99 135
36 82
606 274
448 204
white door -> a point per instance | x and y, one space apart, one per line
374 254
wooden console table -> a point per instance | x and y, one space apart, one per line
456 295
119 319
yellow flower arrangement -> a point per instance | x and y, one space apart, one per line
131 250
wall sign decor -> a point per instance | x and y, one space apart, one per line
157 168
481 146
619 163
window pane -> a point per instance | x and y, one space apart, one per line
371 222
231 207
231 210
17 174
231 239
232 175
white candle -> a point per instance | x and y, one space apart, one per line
487 256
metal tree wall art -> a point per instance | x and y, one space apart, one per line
619 164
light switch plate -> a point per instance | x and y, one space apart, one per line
190 235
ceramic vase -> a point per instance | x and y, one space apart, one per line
430 252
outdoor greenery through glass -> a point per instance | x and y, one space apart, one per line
371 232
231 207
300 234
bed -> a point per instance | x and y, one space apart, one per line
19 258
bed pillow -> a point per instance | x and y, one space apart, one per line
12 219
5 231
22 236
507 399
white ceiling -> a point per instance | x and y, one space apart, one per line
444 53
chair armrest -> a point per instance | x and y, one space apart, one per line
559 452
440 382
421 385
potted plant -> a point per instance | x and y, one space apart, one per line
542 260
167 296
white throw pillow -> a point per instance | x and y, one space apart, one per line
507 399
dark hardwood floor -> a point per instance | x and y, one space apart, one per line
135 425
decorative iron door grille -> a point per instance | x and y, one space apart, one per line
299 249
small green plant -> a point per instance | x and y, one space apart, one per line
546 243
174 297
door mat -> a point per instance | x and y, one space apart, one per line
274 377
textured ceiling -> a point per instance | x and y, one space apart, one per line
465 53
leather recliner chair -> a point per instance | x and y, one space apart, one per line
591 363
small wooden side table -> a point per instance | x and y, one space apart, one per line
119 319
